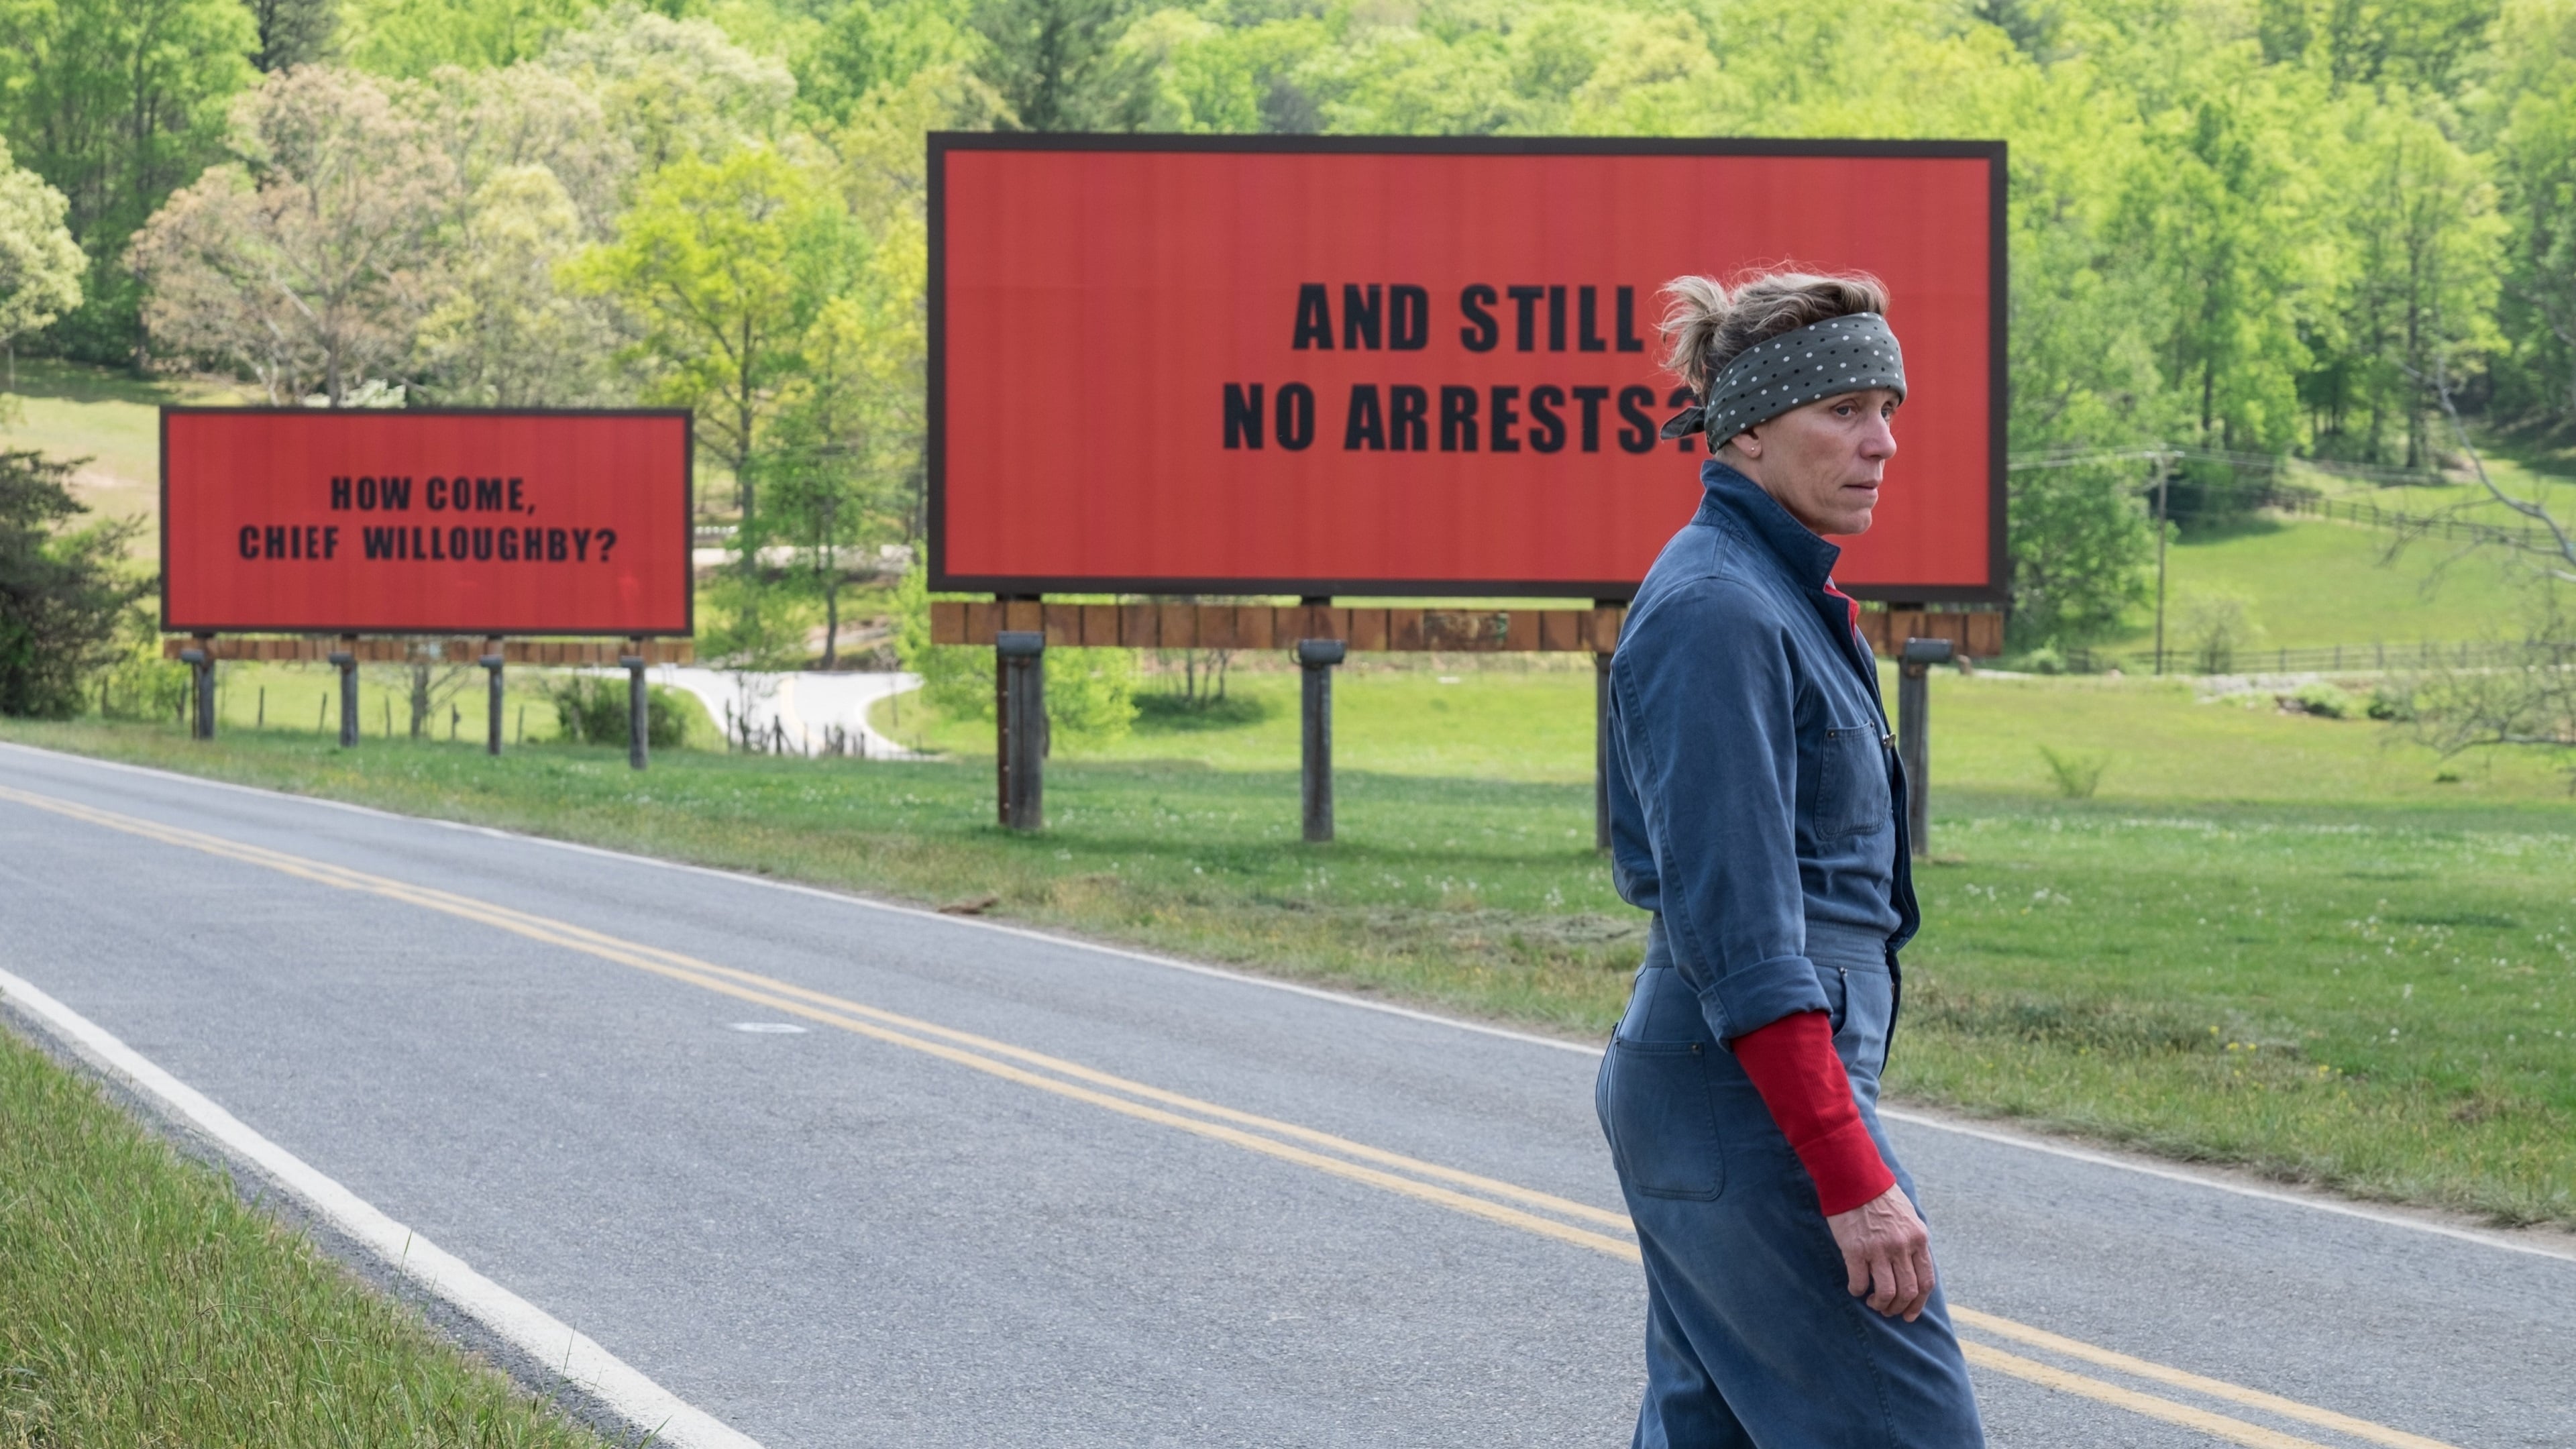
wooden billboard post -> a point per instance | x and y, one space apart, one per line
201 685
638 717
1020 719
492 661
1316 659
1914 732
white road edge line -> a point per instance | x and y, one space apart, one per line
530 1329
1170 963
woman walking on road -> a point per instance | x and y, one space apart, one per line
1757 810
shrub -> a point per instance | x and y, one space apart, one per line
2077 776
2320 698
591 709
2043 660
62 590
2391 702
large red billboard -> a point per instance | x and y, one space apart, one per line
1373 365
370 521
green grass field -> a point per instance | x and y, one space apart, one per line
142 1304
67 410
2273 940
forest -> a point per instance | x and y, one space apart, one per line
2255 228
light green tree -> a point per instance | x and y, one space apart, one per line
411 39
721 267
507 334
674 88
2425 249
40 265
2530 108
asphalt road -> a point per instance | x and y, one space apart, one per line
1002 1189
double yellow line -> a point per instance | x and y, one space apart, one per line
1504 1203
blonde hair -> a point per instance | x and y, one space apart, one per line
1706 322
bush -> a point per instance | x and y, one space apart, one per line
62 591
2077 776
2322 699
591 709
141 685
1090 693
2391 702
2043 660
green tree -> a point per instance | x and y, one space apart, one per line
310 263
1058 63
2532 111
674 88
40 265
868 46
722 265
2218 207
62 590
507 334
117 103
411 39
2426 252
293 32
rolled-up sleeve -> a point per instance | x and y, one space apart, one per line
1707 737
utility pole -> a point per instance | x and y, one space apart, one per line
2164 477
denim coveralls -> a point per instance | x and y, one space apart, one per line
1755 808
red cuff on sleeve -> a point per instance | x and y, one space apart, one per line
1793 1066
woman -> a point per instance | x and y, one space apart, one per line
1757 809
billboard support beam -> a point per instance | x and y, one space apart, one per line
201 671
345 659
492 661
1914 733
636 714
1020 661
1316 658
1601 750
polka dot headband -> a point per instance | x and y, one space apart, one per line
1820 360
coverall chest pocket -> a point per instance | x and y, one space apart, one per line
1660 1119
1851 781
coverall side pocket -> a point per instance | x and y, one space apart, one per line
1662 1123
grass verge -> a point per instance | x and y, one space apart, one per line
2370 991
142 1303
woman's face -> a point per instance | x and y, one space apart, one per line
1824 461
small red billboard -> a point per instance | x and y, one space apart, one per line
364 521
1374 365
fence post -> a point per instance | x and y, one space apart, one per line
1316 659
1914 733
637 716
1021 657
492 661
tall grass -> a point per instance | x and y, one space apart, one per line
142 1304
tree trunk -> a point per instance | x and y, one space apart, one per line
832 616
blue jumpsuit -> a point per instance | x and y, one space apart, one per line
1756 810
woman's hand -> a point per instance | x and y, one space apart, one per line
1887 1254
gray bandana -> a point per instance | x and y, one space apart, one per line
1837 355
